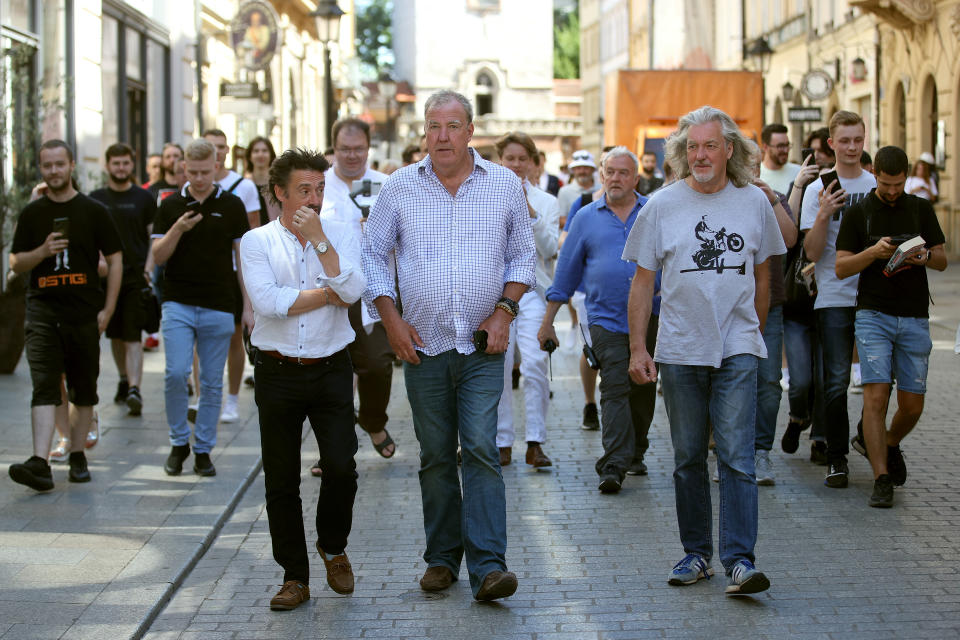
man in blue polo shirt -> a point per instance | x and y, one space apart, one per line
591 253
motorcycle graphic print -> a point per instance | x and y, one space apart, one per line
713 246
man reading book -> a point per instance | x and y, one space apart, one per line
891 327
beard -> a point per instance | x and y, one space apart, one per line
121 178
703 178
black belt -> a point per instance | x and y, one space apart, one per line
276 355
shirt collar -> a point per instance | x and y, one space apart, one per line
602 202
217 189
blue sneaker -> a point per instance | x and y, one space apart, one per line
689 570
745 579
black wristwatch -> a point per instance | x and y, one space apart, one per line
508 305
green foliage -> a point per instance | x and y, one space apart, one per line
374 37
22 134
566 43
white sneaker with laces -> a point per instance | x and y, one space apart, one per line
229 413
764 468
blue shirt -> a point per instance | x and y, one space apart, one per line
454 253
591 253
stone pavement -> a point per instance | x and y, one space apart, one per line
590 565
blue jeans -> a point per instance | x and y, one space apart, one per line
805 363
835 330
893 348
184 326
453 395
695 397
768 380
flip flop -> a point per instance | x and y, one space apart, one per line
315 470
383 445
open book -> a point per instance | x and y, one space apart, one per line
906 250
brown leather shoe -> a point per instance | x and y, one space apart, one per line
292 594
536 456
339 572
506 455
497 584
437 579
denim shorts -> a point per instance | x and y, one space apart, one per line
893 348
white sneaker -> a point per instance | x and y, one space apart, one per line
785 379
229 412
764 468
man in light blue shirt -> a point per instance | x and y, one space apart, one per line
465 254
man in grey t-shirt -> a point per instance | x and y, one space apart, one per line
711 233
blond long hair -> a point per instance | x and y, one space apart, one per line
739 165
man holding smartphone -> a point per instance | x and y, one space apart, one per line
66 310
824 203
196 236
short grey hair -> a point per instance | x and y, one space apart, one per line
200 149
739 165
445 96
620 152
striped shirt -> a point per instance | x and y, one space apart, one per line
454 253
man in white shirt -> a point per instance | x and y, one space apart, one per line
583 170
517 152
775 170
232 182
835 306
302 274
370 353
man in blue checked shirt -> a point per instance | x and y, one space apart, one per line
465 255
591 253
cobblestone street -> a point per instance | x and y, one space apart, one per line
100 559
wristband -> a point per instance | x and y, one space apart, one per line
508 305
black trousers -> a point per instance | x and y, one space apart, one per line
372 360
627 406
286 394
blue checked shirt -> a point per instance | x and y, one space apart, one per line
454 253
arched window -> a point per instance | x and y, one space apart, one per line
485 92
900 117
929 115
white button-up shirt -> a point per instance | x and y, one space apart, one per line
276 268
546 233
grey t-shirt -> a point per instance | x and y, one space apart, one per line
831 291
707 246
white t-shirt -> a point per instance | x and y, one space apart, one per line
245 190
831 291
780 179
707 246
913 184
569 193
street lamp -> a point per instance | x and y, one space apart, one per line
760 49
787 92
328 15
388 90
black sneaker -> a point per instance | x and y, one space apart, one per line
896 467
882 492
134 401
35 473
174 464
610 483
790 441
591 421
837 474
818 452
249 381
122 388
515 379
637 468
858 443
202 465
78 467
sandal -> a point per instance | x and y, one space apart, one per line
316 471
383 445
61 450
93 437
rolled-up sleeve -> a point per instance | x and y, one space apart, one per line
520 259
266 295
351 282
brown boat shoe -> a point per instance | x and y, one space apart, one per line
292 594
536 457
339 572
437 579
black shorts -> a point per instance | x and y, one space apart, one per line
128 318
54 349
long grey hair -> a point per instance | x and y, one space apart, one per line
739 165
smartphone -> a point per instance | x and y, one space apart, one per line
62 226
829 177
805 153
366 187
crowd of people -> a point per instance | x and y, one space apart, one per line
703 278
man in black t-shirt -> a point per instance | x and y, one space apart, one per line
647 181
170 182
196 236
59 239
892 327
132 210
